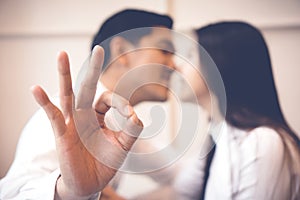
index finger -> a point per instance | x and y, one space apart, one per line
88 86
132 126
109 99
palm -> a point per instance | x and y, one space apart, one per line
89 153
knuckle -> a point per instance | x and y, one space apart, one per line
55 115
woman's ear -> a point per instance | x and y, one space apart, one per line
118 48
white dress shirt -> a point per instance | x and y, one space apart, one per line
246 165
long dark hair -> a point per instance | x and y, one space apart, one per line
241 55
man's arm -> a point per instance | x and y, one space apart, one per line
34 171
82 174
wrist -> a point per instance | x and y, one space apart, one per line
63 193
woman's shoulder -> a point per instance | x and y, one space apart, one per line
262 136
266 140
265 135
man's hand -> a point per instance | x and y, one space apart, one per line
109 193
83 174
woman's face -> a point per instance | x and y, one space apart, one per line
191 85
193 82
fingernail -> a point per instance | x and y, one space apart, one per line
95 47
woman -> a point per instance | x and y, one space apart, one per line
257 154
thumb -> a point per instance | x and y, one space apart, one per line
54 114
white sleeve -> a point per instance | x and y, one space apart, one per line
34 171
261 171
189 183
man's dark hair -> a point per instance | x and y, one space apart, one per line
126 20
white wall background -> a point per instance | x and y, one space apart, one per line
33 31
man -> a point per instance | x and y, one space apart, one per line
71 171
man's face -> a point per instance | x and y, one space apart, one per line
151 64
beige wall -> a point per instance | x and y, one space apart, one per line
33 31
